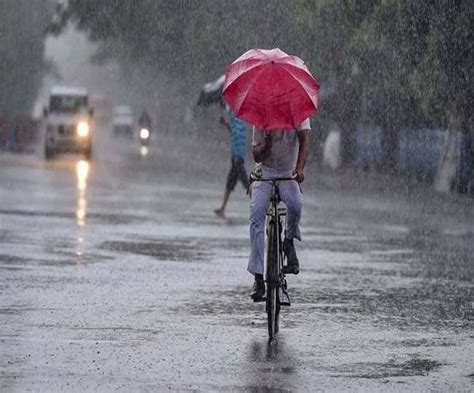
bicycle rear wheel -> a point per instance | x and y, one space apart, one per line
273 299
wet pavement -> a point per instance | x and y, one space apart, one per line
116 275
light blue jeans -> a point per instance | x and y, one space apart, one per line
290 194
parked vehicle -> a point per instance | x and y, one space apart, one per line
123 122
68 120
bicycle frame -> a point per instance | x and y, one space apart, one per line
274 218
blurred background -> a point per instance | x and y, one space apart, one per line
396 76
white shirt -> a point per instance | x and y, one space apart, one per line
285 146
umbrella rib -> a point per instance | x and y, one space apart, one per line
229 81
299 82
244 96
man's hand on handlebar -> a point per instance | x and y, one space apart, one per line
299 175
258 177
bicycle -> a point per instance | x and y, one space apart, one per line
274 278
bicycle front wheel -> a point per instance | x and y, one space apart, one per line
273 299
273 312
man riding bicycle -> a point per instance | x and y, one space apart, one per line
282 153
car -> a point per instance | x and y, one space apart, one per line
69 125
123 122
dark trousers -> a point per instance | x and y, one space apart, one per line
237 172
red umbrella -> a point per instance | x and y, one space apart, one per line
271 89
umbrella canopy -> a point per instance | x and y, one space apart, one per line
211 93
271 89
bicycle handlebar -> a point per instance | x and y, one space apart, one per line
270 179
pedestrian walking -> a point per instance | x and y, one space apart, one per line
238 133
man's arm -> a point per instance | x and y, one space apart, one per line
303 137
262 149
225 123
223 120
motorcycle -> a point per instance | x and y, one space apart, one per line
144 140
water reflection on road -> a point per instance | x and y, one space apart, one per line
272 367
143 151
82 173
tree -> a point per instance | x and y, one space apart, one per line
388 46
175 46
445 78
416 63
324 32
192 40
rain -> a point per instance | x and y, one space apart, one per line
127 227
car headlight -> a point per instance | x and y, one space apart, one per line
83 129
144 133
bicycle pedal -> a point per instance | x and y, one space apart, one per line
284 297
258 299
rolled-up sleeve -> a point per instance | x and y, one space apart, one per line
305 125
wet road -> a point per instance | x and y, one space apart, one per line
116 275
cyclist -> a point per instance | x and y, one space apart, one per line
282 153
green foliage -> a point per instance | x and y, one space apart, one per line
415 61
444 80
192 40
398 62
393 63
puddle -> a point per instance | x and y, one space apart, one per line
169 250
416 366
71 258
12 259
10 237
209 218
442 342
423 305
75 258
105 218
231 306
21 309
